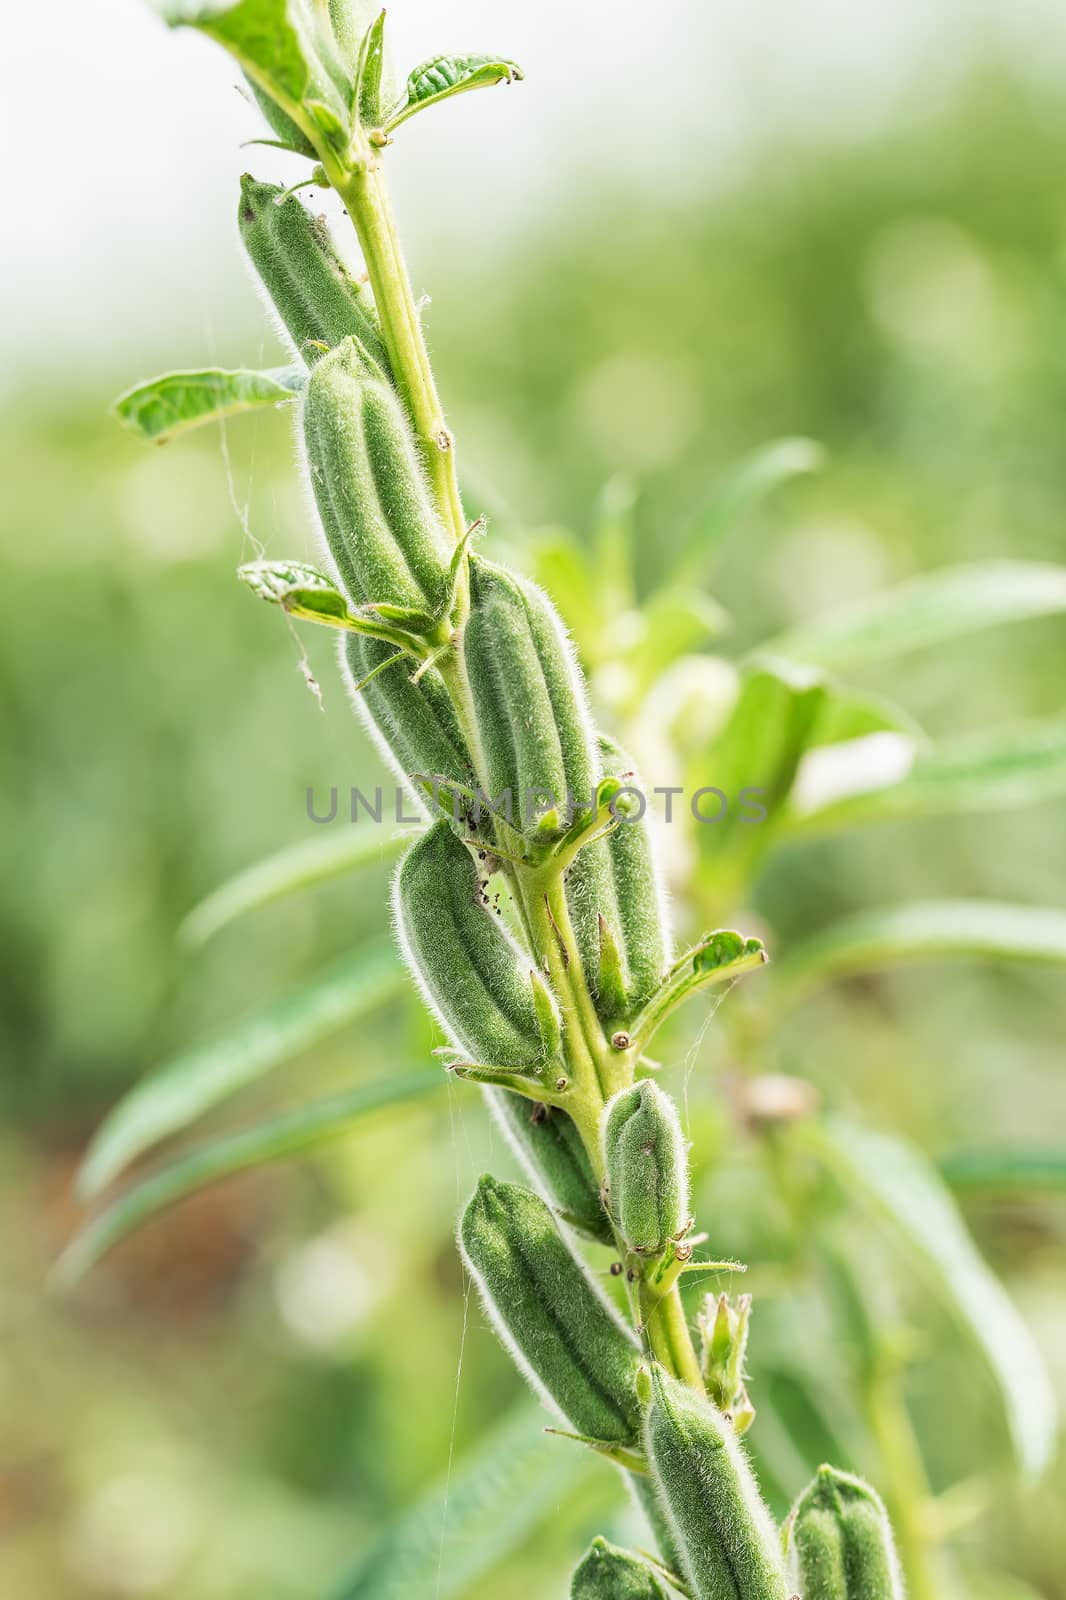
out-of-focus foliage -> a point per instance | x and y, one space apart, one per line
239 1399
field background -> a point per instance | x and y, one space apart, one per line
679 238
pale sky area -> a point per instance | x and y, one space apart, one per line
121 147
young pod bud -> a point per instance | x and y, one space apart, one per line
389 544
723 1329
530 701
547 1309
617 905
473 974
549 1146
413 721
646 1160
727 1541
607 1573
840 1542
314 294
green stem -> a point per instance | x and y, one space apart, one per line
366 199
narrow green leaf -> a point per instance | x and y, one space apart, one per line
905 1190
925 930
303 591
301 866
849 714
926 611
460 1530
1007 1171
746 486
990 772
446 76
370 72
293 1133
176 1094
177 401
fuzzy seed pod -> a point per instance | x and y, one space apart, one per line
617 905
387 540
473 974
547 1309
314 294
840 1542
607 1573
414 722
724 1533
646 1161
529 699
548 1144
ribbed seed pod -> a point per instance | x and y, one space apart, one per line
646 1160
617 879
840 1542
529 697
607 1573
471 971
723 1530
548 1144
312 290
383 532
414 722
547 1309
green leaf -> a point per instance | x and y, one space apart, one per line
674 622
926 611
752 763
990 772
446 76
265 36
370 72
906 1192
745 487
177 401
925 930
849 714
1007 1171
461 1529
303 591
182 1090
301 866
293 1133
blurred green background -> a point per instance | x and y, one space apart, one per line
237 1400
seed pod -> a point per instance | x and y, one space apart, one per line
547 1309
548 1144
316 297
414 723
607 1573
646 1161
529 698
383 532
727 1542
617 880
840 1542
473 974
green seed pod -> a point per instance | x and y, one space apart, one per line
549 1146
414 723
728 1544
529 698
840 1542
548 1310
646 1160
383 532
607 1573
314 294
473 974
618 909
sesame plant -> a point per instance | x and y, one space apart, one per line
531 910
